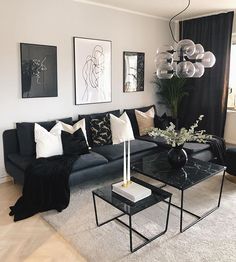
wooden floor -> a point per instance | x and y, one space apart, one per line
32 239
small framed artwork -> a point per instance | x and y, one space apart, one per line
92 65
133 71
38 70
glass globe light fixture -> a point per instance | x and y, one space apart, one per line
164 57
186 60
198 50
207 59
165 48
164 71
174 65
186 47
199 70
185 69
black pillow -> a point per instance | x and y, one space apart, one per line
132 117
68 120
101 130
162 122
91 116
74 144
25 134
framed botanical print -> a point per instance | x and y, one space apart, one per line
92 66
38 70
133 71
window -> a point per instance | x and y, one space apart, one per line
232 76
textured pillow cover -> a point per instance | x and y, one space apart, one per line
121 129
74 144
25 134
101 130
48 143
91 116
145 120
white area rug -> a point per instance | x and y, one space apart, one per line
212 239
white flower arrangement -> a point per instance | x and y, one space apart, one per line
179 137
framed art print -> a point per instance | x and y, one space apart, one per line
133 71
92 65
38 70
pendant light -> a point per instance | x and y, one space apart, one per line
189 60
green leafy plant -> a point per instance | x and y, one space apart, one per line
171 92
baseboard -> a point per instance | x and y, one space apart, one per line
5 179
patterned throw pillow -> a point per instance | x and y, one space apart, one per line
101 130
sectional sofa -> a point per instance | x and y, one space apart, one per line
19 150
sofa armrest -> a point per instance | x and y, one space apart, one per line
10 143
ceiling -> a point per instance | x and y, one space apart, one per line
166 9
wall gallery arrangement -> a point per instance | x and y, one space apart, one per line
92 71
38 70
133 71
92 65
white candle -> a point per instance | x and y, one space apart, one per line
124 165
128 164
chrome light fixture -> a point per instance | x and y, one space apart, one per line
188 60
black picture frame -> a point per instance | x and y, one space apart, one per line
84 50
38 70
133 71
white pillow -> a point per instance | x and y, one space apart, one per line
121 129
71 129
48 143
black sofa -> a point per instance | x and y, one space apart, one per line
101 161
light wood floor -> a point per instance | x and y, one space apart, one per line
32 239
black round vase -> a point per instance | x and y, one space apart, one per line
177 157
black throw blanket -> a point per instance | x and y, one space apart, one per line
218 148
46 187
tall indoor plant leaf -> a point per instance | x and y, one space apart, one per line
171 92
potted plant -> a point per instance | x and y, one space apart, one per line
171 92
176 139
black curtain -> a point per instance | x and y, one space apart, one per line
208 94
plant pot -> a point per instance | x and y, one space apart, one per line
177 157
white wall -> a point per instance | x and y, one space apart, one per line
55 22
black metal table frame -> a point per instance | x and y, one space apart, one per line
199 218
131 230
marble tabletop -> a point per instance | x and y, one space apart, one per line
157 167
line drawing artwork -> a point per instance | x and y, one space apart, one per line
93 72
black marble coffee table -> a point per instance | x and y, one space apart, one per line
130 208
194 172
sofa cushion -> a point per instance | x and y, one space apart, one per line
195 147
114 152
132 117
191 148
157 140
89 160
25 134
83 161
91 116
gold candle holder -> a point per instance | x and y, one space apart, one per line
127 183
